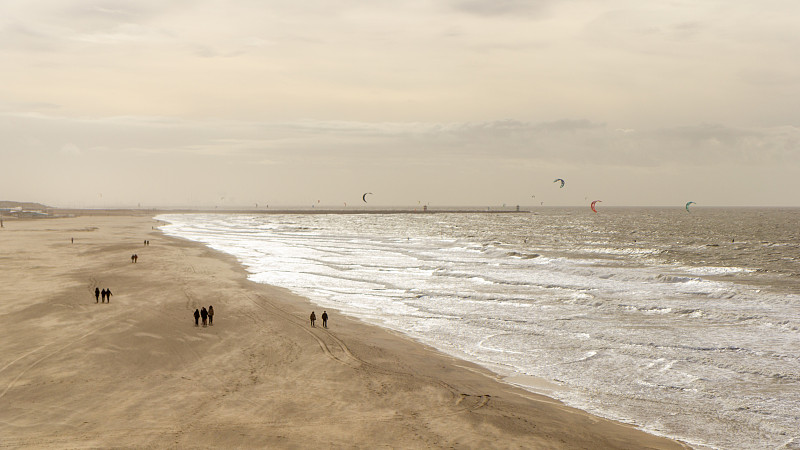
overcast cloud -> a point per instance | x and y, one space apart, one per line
462 102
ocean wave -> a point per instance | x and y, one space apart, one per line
581 302
523 255
675 278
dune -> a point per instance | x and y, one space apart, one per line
136 372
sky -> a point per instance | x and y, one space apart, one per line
238 103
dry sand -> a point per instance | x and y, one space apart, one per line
136 372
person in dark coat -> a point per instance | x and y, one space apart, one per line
97 295
196 317
204 315
324 319
108 295
313 318
103 295
210 315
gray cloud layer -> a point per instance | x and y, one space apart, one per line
464 101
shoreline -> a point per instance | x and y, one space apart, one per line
136 372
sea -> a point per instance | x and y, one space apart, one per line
685 324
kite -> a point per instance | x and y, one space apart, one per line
559 179
364 197
593 203
689 203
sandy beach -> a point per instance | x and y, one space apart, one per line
136 372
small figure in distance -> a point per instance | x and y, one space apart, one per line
324 319
135 258
132 258
97 295
204 315
108 295
210 315
313 318
103 294
196 317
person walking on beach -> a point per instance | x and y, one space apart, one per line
108 295
97 295
103 295
204 315
132 258
135 258
324 319
196 317
210 315
313 318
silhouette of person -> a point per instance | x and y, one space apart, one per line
135 257
210 315
108 295
196 317
97 295
132 258
313 318
204 315
324 319
103 293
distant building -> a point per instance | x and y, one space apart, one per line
20 213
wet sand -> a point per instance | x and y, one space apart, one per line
136 372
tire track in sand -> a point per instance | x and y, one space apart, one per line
351 360
107 322
54 352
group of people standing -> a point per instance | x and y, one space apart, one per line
324 319
206 314
105 293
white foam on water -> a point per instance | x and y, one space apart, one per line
630 337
